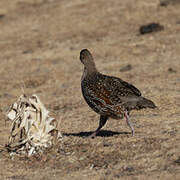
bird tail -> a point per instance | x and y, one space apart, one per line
145 103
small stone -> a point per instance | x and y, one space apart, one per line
177 161
126 68
149 28
2 16
171 70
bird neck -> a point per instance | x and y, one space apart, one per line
88 71
91 67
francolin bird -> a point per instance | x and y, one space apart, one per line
109 96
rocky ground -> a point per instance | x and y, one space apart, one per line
40 41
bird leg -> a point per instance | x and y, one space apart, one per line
126 114
102 122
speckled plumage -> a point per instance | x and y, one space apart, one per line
107 95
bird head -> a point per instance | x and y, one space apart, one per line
86 57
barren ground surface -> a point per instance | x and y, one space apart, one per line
40 41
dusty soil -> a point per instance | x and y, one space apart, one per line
40 41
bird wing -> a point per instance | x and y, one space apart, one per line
106 94
129 88
98 98
111 89
120 88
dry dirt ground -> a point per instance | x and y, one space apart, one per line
40 41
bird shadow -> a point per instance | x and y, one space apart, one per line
102 133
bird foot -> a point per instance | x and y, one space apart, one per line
132 131
129 122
